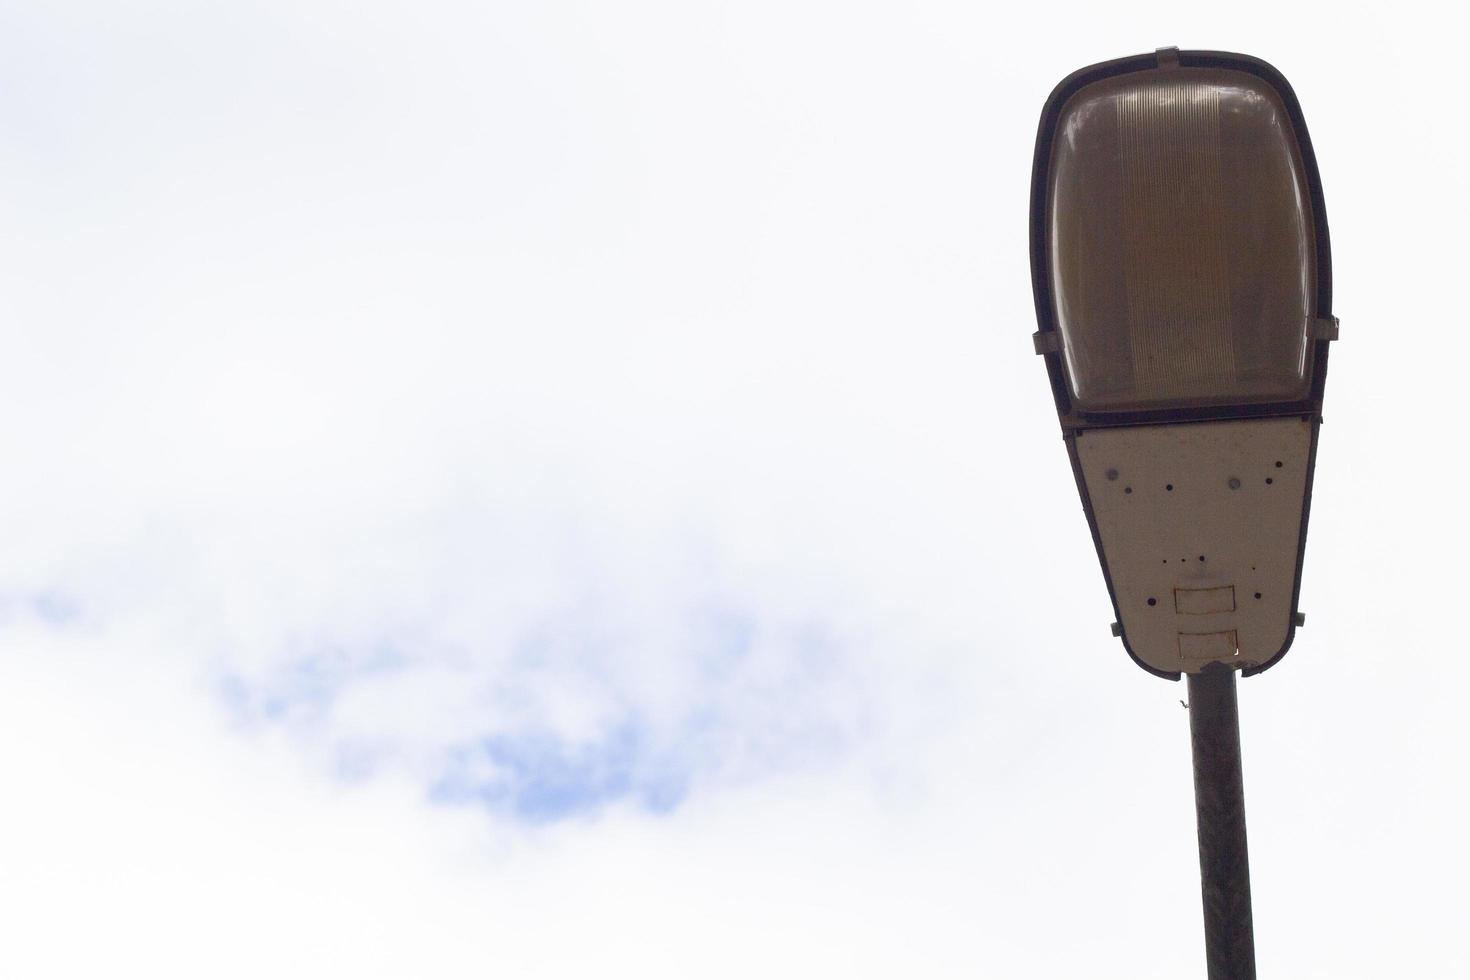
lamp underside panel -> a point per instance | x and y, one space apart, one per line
1200 525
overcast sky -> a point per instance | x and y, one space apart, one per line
560 490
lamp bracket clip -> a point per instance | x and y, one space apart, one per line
1324 328
1046 341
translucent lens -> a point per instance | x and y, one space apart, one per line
1181 245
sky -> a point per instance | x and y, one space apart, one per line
560 490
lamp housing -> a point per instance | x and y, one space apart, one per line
1181 270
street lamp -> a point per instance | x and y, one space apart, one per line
1182 277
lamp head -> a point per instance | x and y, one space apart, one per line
1182 276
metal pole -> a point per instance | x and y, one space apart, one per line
1219 801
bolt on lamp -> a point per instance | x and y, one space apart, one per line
1182 278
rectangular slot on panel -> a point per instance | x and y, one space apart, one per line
1197 602
1196 647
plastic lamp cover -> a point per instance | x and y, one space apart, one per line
1181 249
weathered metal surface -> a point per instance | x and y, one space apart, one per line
1200 524
1201 602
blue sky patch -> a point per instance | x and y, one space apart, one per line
573 713
539 777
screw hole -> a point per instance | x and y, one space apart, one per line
1169 487
1127 489
1235 483
1201 557
1152 601
1112 474
1269 481
1278 464
1258 595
